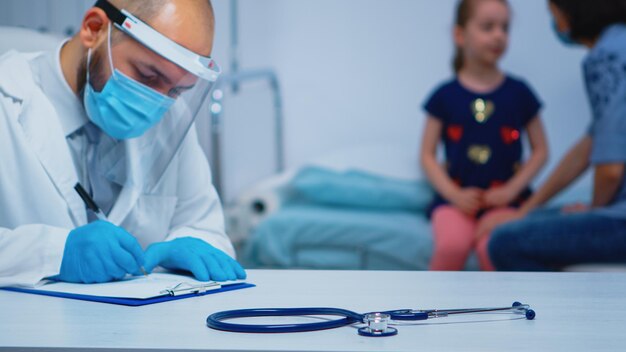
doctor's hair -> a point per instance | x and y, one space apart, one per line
464 12
589 18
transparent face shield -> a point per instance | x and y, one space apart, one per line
145 96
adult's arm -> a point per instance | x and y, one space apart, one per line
575 162
606 183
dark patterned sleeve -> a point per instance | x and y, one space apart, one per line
434 105
605 78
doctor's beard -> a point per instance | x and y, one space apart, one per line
97 77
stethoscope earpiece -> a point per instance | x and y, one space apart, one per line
529 313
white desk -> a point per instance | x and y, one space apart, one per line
575 312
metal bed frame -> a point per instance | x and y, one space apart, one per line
234 80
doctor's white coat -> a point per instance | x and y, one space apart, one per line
38 204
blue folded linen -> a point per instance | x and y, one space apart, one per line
360 189
322 237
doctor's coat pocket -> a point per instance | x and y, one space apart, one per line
151 217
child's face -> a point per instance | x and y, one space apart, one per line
485 37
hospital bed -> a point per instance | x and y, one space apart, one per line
362 208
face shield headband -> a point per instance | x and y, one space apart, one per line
203 67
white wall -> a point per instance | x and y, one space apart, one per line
355 71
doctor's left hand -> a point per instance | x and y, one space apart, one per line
204 261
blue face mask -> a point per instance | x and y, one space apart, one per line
124 108
564 37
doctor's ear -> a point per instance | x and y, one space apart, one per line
94 28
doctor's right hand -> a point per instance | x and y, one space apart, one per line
99 252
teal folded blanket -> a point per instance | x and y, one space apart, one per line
360 189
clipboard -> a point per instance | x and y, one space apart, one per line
134 291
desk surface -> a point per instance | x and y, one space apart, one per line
575 312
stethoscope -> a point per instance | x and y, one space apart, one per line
377 322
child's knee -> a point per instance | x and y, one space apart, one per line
449 221
453 248
447 213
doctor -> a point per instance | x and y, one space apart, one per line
112 109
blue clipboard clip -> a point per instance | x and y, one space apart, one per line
185 288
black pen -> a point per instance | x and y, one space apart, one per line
91 204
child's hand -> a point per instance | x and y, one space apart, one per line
500 196
468 200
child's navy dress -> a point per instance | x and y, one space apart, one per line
482 132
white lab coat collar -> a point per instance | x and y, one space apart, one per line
48 139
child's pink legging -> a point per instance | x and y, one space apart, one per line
454 234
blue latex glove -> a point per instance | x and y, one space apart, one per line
100 252
204 261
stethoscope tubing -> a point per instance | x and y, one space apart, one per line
215 320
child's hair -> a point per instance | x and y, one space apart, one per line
464 11
589 18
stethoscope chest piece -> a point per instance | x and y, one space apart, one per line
377 325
